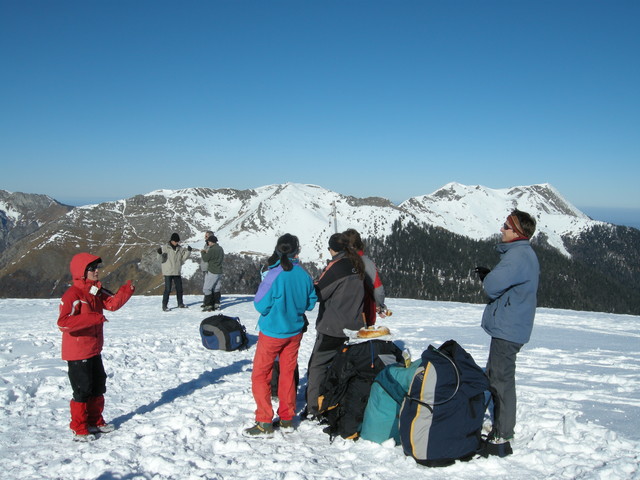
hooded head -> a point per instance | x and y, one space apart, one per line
79 264
174 237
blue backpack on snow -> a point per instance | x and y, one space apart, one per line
442 413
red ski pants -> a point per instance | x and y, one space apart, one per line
267 350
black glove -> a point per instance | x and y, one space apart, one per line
159 251
189 247
482 272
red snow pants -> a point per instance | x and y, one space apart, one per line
267 350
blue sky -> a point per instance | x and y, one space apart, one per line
108 99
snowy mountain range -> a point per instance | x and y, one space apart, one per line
250 220
36 249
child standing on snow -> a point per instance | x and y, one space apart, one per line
284 295
80 322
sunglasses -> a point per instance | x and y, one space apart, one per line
506 227
93 268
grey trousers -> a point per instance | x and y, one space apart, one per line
324 350
501 370
212 283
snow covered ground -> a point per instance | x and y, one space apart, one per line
180 409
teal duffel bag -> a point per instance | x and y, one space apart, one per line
387 392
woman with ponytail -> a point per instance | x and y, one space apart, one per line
374 296
340 291
284 295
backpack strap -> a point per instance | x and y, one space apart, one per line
455 391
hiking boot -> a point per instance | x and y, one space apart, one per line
260 429
207 308
496 445
313 417
165 309
319 419
498 449
286 426
182 306
105 428
83 438
495 438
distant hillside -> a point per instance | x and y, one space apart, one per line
22 214
586 260
426 262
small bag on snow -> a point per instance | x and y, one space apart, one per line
441 416
223 333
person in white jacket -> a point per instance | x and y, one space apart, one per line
173 257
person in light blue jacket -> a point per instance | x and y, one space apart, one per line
284 295
512 288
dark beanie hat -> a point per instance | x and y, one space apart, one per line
338 242
174 237
212 239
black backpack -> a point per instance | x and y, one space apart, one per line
441 415
223 333
275 376
345 392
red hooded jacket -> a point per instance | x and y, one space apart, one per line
81 318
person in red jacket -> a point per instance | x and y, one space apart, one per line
80 322
374 296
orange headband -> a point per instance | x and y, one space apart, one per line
514 223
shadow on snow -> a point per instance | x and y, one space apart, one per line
168 396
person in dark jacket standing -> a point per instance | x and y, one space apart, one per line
340 291
80 321
173 257
204 265
213 256
512 288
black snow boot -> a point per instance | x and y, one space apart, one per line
207 304
206 301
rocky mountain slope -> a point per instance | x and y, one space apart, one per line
127 232
22 214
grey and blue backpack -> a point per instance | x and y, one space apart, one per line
223 333
442 414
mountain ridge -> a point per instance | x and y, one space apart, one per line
127 232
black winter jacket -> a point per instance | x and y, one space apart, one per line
340 293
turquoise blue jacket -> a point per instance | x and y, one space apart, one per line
282 298
512 288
